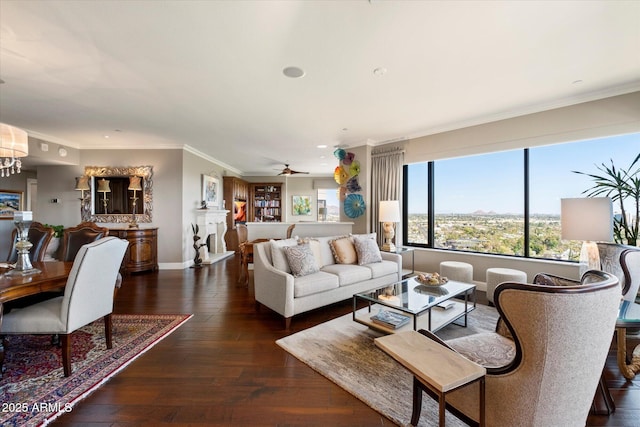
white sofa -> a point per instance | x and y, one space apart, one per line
288 295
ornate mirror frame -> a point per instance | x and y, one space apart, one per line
146 172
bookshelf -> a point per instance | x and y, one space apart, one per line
267 202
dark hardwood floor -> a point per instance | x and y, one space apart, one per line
223 368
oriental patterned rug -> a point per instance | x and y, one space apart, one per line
33 388
344 352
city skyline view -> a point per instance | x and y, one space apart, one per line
494 182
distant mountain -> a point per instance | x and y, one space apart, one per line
481 212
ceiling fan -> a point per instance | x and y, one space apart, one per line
287 171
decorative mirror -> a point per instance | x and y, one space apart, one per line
116 191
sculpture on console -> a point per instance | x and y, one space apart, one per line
197 260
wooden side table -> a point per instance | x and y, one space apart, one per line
436 367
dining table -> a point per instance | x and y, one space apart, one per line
246 258
52 276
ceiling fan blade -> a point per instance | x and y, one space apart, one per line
292 172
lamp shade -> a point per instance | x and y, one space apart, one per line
103 186
14 142
82 183
134 183
588 219
389 211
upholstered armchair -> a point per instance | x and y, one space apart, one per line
74 237
88 296
39 236
545 360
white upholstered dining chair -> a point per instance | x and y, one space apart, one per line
88 296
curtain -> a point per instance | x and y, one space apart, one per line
386 184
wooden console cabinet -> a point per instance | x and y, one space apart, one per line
142 253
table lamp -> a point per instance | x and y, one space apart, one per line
134 185
23 267
103 187
590 220
389 214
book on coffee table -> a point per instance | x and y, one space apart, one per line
390 319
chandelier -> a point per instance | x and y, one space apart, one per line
14 143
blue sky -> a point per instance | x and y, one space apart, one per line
494 182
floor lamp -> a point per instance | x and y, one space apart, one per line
590 220
389 214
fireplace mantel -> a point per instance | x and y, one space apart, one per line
213 226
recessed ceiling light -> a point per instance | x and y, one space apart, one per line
380 71
322 146
322 157
293 72
106 137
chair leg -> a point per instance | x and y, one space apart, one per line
417 402
65 340
108 330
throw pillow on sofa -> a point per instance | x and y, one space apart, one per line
367 250
343 250
301 260
314 244
278 257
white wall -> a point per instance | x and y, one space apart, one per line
610 116
193 167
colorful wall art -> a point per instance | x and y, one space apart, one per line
346 175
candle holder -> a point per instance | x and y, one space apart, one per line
22 221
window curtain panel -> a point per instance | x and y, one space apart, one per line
386 184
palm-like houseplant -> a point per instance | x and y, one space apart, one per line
620 185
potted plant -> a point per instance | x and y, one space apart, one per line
621 185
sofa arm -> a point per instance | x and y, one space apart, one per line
272 287
397 258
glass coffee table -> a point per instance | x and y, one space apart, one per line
428 307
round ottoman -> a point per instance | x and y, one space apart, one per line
495 276
458 271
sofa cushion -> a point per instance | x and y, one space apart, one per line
277 254
383 268
343 250
314 244
348 274
325 249
301 259
314 283
367 250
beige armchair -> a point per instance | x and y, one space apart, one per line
545 366
88 296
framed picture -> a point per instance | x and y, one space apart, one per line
301 205
211 191
10 201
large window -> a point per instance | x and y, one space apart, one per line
507 202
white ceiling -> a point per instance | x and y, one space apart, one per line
208 74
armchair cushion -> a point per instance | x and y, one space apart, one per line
488 349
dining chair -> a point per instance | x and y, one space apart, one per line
88 296
73 238
39 236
